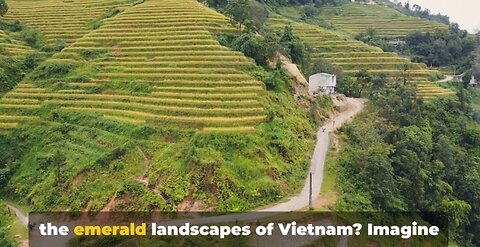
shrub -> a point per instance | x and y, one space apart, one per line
275 80
139 88
90 54
32 37
143 132
33 59
3 8
11 72
56 47
309 10
15 26
53 69
83 73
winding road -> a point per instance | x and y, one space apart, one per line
301 200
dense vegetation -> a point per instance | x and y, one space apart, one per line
442 47
5 240
451 47
264 49
404 154
416 10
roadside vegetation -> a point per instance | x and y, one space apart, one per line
5 224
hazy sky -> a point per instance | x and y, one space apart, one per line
464 12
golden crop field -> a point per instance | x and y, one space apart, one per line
169 45
352 56
357 18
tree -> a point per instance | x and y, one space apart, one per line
417 7
295 48
309 11
364 79
239 11
3 8
259 14
379 82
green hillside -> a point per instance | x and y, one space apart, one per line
357 18
352 56
183 75
147 111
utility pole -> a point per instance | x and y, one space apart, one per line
310 193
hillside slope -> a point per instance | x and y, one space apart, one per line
148 111
13 47
356 18
352 56
188 77
63 20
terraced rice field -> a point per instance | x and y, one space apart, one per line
13 47
169 45
357 18
352 56
63 20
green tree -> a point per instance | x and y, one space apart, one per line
3 8
239 11
294 47
364 80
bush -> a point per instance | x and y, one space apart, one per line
11 72
372 37
309 11
83 73
143 132
53 69
15 26
32 37
90 54
294 47
139 88
32 60
275 80
56 47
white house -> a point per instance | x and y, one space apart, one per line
322 82
473 82
368 2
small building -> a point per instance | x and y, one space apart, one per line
396 42
473 82
367 2
322 82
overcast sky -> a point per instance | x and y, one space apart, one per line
464 12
